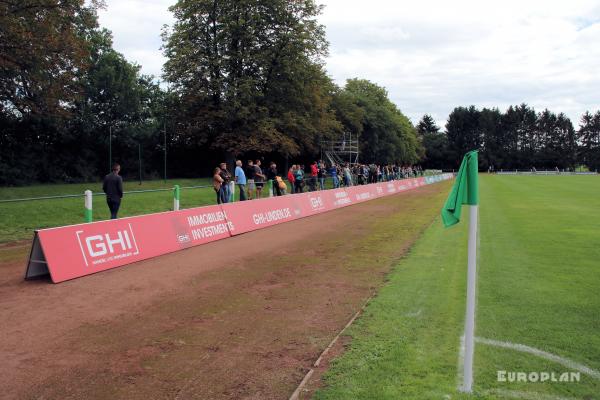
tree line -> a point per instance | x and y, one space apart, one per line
519 138
243 78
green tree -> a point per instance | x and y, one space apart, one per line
387 135
588 137
520 143
490 125
463 131
427 125
61 135
437 152
42 51
248 75
557 141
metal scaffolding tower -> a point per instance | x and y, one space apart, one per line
341 151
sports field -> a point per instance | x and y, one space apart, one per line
246 317
538 286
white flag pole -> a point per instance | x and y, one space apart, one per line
470 315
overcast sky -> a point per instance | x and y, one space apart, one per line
432 55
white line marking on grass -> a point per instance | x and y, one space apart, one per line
414 314
516 394
316 364
542 354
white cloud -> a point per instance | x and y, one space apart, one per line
136 27
433 55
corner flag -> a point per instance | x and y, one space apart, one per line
466 191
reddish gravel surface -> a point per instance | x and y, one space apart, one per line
241 318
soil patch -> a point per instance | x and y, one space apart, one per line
241 318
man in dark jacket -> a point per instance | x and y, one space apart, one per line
271 176
113 187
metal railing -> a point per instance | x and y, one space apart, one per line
69 196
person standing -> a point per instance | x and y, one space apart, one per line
347 176
314 172
226 176
250 172
217 182
240 179
334 176
321 175
259 178
298 179
113 187
291 178
271 176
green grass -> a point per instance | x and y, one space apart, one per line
538 285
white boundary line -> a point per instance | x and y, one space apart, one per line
542 354
296 394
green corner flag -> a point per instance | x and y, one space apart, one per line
464 191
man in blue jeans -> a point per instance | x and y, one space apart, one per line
240 179
334 176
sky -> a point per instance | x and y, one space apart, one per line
431 56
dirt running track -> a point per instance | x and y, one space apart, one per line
241 318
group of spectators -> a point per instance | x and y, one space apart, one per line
251 178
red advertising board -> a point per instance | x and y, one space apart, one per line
72 251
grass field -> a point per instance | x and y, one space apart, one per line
19 219
538 285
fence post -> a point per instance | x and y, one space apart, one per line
176 194
87 214
231 191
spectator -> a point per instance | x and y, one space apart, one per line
250 179
217 182
321 175
240 179
226 176
259 178
314 172
281 184
347 176
271 176
298 179
372 173
291 179
334 176
113 187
